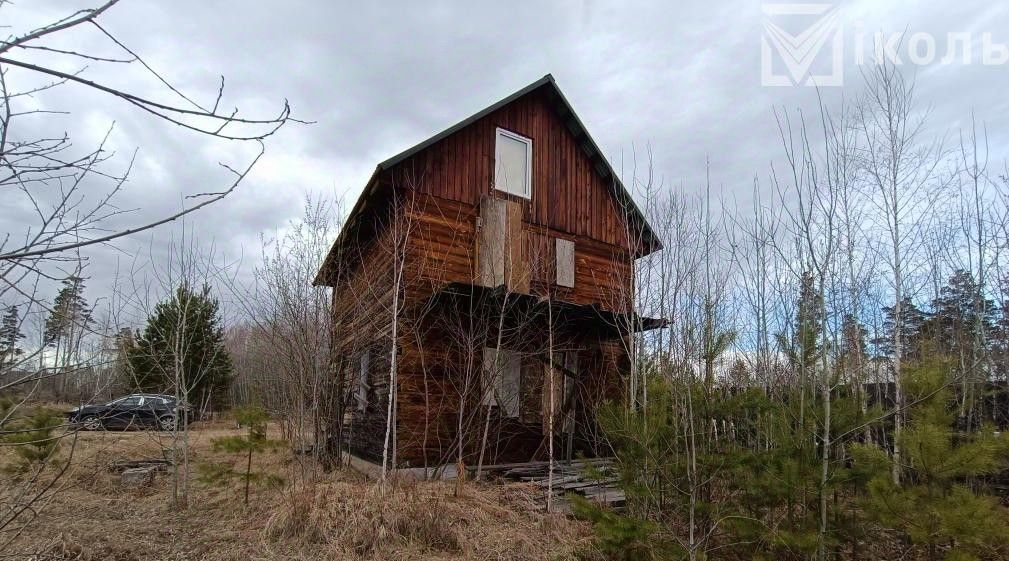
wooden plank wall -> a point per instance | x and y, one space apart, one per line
565 262
491 242
361 307
443 250
568 194
446 182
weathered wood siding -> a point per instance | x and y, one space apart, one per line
440 191
443 249
568 194
362 318
440 375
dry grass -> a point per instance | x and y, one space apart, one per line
424 521
314 516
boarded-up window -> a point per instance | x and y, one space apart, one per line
362 380
563 388
501 245
502 372
565 263
491 243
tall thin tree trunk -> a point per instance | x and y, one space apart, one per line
550 412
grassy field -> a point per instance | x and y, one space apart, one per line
89 515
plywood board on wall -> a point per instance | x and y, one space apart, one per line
565 263
491 242
501 245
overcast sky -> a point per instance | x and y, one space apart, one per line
683 78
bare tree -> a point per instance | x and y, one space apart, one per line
287 328
69 192
902 175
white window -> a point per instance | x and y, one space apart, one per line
362 381
513 158
502 371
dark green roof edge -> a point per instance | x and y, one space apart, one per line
467 122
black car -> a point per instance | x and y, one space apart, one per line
139 410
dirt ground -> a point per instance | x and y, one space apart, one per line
88 515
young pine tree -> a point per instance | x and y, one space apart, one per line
32 438
253 442
937 507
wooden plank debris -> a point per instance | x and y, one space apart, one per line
119 466
569 477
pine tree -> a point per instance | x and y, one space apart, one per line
68 320
913 321
255 441
32 438
956 313
935 506
182 348
70 309
10 334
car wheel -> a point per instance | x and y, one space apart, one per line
91 423
167 423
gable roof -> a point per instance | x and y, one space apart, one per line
548 79
574 124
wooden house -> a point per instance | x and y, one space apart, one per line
483 291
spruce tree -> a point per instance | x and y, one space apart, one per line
961 322
1000 338
803 348
182 348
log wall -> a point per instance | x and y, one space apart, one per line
439 192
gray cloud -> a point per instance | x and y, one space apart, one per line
681 78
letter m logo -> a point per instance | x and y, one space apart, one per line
790 61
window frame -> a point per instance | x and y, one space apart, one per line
528 194
494 385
